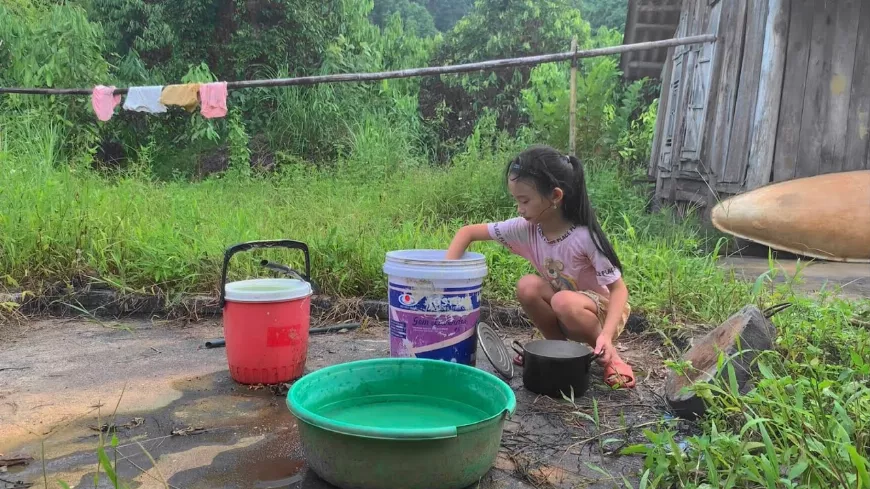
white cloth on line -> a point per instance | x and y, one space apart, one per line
145 99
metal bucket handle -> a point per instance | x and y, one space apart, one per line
252 245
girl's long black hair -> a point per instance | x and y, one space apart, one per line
548 169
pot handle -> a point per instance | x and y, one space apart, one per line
517 347
252 245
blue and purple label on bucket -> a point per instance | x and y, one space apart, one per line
431 323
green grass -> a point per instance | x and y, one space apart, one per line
63 223
805 424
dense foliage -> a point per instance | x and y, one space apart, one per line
147 203
130 42
605 13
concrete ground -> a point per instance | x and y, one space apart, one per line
61 379
848 280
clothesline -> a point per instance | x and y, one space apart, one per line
412 72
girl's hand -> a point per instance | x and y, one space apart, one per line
604 348
464 237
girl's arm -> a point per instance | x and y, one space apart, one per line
618 299
464 237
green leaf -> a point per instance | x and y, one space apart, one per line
765 370
63 484
759 283
732 380
798 468
753 446
635 450
584 415
644 480
861 465
107 466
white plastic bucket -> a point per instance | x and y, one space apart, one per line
434 304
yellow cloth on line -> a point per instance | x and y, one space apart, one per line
181 95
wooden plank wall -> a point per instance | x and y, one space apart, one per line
736 157
658 134
725 92
676 163
789 98
685 170
648 20
825 107
858 125
763 131
797 58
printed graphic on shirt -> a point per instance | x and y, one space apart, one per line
610 272
573 262
557 279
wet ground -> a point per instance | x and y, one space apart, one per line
61 380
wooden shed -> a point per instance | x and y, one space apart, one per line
783 93
648 20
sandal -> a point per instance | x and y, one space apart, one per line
519 360
619 375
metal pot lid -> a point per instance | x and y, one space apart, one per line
495 351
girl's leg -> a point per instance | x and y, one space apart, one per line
535 294
578 314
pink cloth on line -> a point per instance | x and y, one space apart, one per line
213 97
104 102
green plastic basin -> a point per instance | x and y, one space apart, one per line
401 423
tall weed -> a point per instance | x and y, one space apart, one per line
805 423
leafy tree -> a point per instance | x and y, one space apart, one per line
234 37
444 14
51 45
415 17
496 29
447 12
605 13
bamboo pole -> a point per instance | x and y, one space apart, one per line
572 124
412 72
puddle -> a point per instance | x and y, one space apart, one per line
271 475
250 440
273 462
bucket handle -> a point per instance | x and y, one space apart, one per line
252 245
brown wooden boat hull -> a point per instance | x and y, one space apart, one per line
826 216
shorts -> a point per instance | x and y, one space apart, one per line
601 304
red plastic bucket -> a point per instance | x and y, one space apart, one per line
266 321
266 324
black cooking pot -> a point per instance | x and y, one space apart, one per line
554 367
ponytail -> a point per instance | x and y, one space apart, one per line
581 209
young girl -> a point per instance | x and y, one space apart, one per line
580 294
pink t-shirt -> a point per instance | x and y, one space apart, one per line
572 262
